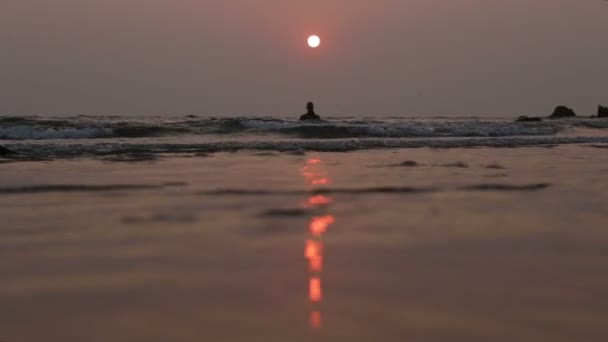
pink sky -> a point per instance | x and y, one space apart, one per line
231 57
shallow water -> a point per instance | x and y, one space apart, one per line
477 244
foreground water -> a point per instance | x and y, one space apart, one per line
475 244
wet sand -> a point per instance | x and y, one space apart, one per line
423 245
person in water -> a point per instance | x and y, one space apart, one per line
310 115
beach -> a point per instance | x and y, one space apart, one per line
185 242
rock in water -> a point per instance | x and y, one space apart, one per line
5 151
602 112
562 112
524 118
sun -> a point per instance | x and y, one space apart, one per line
314 41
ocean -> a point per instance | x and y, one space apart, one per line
82 135
264 229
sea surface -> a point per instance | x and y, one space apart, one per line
264 229
90 136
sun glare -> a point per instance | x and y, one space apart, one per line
314 41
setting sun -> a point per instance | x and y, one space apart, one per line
314 41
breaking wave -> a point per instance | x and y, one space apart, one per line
36 128
141 138
104 149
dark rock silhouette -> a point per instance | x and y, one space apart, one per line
5 151
310 114
562 112
602 112
524 118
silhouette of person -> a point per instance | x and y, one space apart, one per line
310 115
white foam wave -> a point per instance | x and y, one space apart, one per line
401 129
23 132
321 145
120 127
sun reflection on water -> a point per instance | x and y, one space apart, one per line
319 200
315 175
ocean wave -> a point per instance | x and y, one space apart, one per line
46 133
104 149
35 128
87 128
506 187
400 128
75 188
74 128
364 191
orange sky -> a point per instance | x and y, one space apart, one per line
381 57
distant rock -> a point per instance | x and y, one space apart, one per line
562 112
602 112
524 118
5 151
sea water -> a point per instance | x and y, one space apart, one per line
259 229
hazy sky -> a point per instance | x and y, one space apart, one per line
229 57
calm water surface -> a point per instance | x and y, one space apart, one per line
420 245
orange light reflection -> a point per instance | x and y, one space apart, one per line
316 264
315 320
320 181
314 254
315 175
319 200
315 289
313 249
319 225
